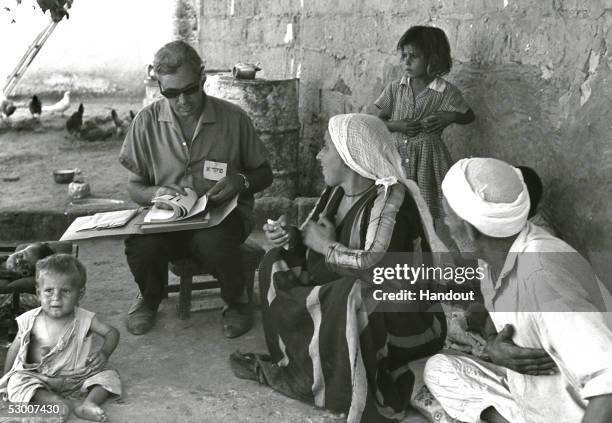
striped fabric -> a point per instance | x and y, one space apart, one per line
426 159
325 348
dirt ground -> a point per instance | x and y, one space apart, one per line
179 372
29 157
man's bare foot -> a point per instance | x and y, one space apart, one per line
89 411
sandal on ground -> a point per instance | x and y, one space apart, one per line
246 366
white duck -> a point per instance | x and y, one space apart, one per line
61 106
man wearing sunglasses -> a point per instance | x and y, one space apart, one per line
190 139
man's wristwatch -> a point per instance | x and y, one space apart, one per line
247 184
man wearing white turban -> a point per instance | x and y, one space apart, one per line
552 357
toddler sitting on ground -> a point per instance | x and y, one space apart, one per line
51 360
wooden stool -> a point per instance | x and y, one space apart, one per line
187 268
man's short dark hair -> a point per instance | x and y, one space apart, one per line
174 55
63 264
534 187
434 45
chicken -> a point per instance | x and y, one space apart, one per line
35 106
96 133
59 107
7 108
116 119
75 122
119 124
97 129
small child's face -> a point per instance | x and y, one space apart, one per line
414 61
59 294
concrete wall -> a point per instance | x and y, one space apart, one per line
537 74
103 47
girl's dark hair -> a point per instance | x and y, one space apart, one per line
434 45
534 187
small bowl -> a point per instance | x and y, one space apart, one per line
63 176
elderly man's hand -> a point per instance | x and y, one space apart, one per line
529 361
171 189
318 236
226 188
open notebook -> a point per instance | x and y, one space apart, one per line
106 220
181 207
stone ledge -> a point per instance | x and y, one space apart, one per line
51 224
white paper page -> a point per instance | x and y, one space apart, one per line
181 205
198 207
84 223
158 215
107 220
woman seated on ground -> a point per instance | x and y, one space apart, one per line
325 347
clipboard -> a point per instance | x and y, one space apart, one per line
137 226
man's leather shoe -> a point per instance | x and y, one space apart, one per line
140 317
237 320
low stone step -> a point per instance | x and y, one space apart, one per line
26 225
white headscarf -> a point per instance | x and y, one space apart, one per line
469 187
366 146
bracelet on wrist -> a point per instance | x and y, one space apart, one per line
247 184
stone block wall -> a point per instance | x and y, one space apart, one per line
537 75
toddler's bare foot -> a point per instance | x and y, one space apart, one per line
64 415
89 411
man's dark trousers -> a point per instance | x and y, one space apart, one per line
216 248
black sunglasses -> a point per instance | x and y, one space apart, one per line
174 93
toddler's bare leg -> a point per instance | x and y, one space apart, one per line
42 396
90 408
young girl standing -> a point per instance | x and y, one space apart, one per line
418 107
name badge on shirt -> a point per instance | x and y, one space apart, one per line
214 170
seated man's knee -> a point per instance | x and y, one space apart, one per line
437 367
148 246
215 245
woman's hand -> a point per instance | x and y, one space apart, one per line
436 122
276 233
319 236
407 126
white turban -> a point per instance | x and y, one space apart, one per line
366 146
489 194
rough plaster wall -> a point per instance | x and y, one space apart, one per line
537 74
251 31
